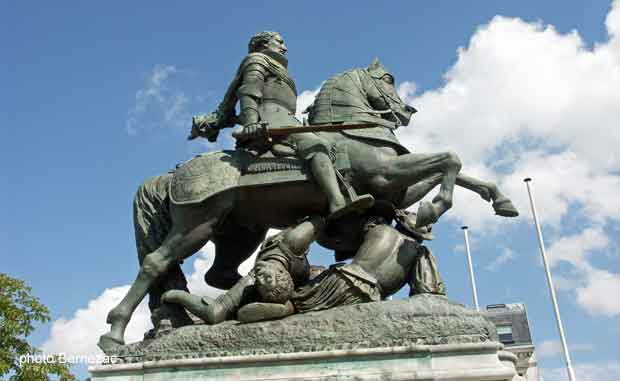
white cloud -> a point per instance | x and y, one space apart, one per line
80 334
202 263
160 102
507 255
561 181
612 22
596 371
406 90
594 287
553 348
574 249
305 99
599 295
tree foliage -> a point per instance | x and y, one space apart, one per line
19 310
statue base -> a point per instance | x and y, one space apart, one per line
425 337
474 361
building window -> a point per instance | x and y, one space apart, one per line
505 334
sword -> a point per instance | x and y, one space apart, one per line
288 130
207 130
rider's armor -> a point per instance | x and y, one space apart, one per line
267 94
267 82
275 248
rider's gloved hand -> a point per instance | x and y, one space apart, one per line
204 126
251 131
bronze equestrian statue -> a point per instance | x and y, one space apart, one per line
233 197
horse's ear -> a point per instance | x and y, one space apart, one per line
375 63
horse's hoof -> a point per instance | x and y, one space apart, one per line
426 215
358 205
109 344
504 207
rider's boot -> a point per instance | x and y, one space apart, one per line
325 175
213 311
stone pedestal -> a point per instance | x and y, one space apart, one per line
463 362
422 338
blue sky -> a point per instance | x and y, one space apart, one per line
96 97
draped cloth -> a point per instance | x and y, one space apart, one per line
339 285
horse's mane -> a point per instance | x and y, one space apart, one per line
344 98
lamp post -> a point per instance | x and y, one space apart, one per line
556 309
472 279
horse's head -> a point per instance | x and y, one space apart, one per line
384 80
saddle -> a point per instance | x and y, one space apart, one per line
282 157
270 162
209 174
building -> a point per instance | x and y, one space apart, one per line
513 330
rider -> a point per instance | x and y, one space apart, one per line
267 95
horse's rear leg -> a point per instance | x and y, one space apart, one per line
193 226
152 223
148 239
232 247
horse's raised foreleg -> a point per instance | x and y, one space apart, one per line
406 170
487 190
192 228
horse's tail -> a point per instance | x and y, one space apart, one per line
152 223
151 216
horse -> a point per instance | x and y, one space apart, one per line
225 197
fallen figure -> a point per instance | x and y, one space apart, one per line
282 281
